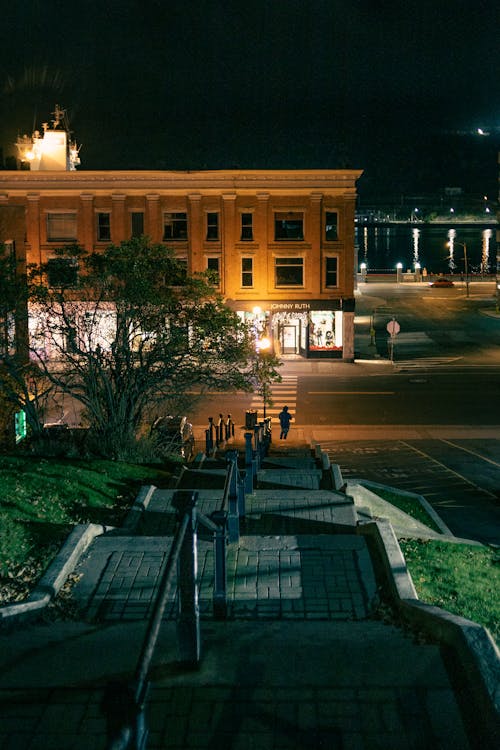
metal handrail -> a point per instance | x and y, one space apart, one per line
124 704
153 629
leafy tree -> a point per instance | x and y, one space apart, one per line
22 386
133 335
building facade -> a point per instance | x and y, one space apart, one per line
279 243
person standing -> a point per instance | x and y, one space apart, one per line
285 418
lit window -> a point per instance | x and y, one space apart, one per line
213 269
246 227
331 269
175 226
62 272
289 271
137 223
331 225
289 226
212 225
62 227
247 272
103 227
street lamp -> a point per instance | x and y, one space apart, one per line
466 265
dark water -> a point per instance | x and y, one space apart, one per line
382 247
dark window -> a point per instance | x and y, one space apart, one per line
213 269
289 226
61 227
62 272
212 226
247 272
175 226
331 272
289 271
104 227
331 225
246 226
137 223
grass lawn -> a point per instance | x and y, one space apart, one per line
41 501
407 504
463 579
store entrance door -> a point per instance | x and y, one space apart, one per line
289 339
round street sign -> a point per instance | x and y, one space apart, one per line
393 327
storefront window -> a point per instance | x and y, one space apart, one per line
325 330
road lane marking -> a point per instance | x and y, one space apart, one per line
473 453
452 471
351 393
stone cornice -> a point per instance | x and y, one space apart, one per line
162 182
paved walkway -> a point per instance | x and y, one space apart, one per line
299 663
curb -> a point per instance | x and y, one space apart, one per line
475 658
139 505
66 560
55 576
423 502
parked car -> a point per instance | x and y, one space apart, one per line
442 281
174 435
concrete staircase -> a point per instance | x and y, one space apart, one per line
299 663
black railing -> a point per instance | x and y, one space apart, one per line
124 703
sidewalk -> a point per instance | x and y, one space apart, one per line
301 661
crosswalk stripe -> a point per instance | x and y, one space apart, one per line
425 362
281 393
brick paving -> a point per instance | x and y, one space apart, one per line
299 663
326 577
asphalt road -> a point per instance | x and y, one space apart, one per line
459 478
444 379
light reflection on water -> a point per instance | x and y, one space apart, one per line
438 248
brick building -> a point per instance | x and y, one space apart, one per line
280 242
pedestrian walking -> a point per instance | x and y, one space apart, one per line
285 418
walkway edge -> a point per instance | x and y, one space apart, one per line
55 576
415 496
476 656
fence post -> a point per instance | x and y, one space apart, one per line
220 430
233 519
266 436
188 622
257 436
208 443
219 517
241 496
229 427
249 473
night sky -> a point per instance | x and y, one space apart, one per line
395 88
